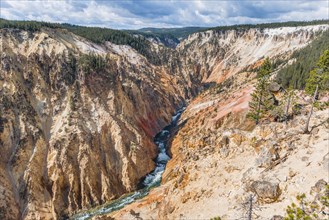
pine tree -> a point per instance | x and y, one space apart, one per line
317 82
260 102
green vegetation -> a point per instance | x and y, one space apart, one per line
306 210
168 36
167 39
27 25
317 82
216 218
101 35
319 76
263 102
70 68
93 63
94 34
137 39
260 102
269 25
305 60
280 110
179 33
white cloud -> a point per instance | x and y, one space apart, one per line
174 13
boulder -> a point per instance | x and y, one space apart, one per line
267 192
274 87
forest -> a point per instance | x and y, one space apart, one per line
94 34
295 75
270 25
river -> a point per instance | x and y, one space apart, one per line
150 181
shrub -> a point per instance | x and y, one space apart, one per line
307 210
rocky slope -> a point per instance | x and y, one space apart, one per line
216 55
76 129
220 159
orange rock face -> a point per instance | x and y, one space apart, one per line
74 138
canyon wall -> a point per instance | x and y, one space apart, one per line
73 137
76 131
220 157
216 55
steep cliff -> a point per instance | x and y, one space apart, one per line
78 118
76 128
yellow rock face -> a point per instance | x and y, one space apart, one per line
74 139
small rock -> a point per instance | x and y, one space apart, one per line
274 87
319 186
171 208
186 197
277 217
315 131
258 144
135 214
225 141
292 173
195 157
266 157
309 152
305 158
224 152
237 139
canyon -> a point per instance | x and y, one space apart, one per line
75 135
220 160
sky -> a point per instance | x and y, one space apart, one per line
135 14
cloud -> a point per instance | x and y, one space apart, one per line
133 14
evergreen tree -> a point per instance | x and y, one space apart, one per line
317 82
260 102
305 59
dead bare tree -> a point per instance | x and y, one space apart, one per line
311 111
250 207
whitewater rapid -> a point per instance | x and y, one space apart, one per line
151 180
